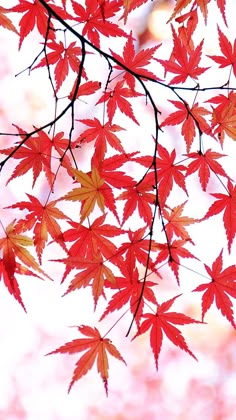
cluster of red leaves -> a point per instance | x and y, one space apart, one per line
114 259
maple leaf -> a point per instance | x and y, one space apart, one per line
137 249
130 290
168 174
90 192
222 285
224 116
96 347
87 88
221 6
176 222
190 117
161 322
228 58
183 63
94 270
14 246
95 17
102 134
35 14
43 219
116 99
35 154
117 179
204 163
5 22
93 239
135 62
227 204
138 196
130 5
173 252
64 58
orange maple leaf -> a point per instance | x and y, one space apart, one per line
176 222
93 270
43 219
89 193
6 22
96 347
13 246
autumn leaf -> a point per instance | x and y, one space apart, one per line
225 203
43 219
87 88
115 99
204 164
96 19
160 323
183 63
176 222
168 173
138 197
97 348
191 117
64 58
35 155
35 14
130 289
89 193
228 57
172 252
94 273
103 134
135 62
89 241
5 22
13 247
130 5
221 286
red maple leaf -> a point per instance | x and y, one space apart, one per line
35 14
87 88
63 58
138 196
13 247
168 174
225 203
95 17
229 53
204 164
176 222
88 241
191 118
96 347
94 273
130 290
137 249
161 322
135 62
222 285
183 63
35 155
115 99
43 219
173 252
103 134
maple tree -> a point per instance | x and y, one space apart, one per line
139 199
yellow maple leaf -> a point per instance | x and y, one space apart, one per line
89 193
